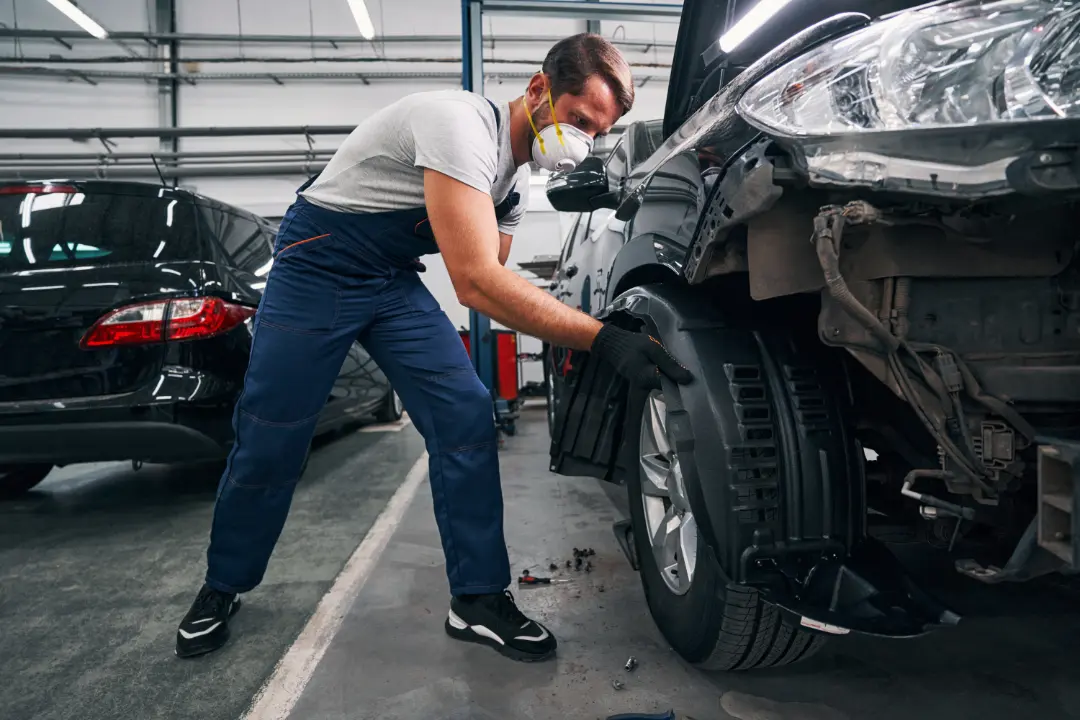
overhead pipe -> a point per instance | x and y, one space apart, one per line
60 60
167 171
29 34
164 132
185 155
278 77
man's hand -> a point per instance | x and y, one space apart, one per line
463 220
637 357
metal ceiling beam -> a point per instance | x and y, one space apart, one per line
29 34
565 9
168 88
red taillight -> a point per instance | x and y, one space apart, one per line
36 189
189 319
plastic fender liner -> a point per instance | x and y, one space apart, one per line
770 454
775 476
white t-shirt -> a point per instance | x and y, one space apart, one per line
380 166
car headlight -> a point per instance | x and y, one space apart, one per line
945 65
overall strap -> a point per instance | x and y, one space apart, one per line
512 198
494 109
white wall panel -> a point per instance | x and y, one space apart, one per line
62 103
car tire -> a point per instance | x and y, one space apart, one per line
391 409
549 390
711 623
17 480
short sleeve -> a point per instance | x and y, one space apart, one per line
509 224
456 138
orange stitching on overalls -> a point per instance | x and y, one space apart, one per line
301 242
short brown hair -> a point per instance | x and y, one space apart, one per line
572 61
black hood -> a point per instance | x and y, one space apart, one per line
702 24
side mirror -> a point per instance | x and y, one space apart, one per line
583 189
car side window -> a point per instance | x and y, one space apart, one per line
578 231
245 241
581 232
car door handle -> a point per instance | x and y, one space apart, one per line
571 271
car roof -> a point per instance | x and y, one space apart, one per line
130 187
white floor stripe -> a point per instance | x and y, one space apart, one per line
398 426
278 696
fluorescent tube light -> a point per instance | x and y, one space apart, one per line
363 20
750 23
80 18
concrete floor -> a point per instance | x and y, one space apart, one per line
1013 656
96 570
98 566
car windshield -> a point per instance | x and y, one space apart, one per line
74 228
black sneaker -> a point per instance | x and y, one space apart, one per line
495 620
205 628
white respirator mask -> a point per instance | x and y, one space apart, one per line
557 148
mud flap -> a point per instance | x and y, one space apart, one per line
867 592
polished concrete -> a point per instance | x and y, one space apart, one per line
96 569
1014 656
99 564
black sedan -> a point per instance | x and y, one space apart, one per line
125 327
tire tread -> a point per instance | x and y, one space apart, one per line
754 634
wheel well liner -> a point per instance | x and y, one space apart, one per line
762 422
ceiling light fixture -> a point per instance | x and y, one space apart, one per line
80 18
363 19
750 23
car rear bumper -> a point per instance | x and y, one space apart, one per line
78 442
152 424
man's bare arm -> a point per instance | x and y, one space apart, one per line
504 247
463 220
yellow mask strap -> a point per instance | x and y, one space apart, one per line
558 130
555 120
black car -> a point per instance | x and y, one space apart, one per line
125 327
862 241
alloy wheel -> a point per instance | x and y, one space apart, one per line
551 403
669 520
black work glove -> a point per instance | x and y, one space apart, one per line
638 357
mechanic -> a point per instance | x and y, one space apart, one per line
443 171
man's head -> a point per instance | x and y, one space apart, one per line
590 87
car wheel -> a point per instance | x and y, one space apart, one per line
16 480
391 409
713 624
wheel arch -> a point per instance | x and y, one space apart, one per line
638 263
769 485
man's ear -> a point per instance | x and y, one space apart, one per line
537 89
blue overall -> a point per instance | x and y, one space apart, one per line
339 277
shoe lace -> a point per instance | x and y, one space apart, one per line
507 609
212 601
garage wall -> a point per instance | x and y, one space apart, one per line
60 102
